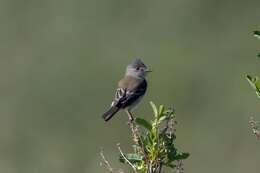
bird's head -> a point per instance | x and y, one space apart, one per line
137 69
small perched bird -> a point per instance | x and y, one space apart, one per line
131 89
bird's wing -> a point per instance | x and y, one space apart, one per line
130 89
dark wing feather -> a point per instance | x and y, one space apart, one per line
126 96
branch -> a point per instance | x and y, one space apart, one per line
179 167
137 138
160 167
122 154
106 163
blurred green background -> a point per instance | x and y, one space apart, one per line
60 62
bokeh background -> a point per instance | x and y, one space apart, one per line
60 62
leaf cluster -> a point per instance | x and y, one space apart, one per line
156 145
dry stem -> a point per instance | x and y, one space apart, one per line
254 127
122 154
106 163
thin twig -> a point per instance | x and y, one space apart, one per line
140 141
160 167
179 167
122 154
136 135
106 163
150 167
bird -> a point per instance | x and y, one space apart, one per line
131 89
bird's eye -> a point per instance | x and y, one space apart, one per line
137 68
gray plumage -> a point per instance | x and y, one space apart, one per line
131 88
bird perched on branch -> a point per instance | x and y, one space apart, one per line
131 89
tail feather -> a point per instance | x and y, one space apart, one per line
110 113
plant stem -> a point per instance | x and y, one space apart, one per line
108 166
122 154
160 167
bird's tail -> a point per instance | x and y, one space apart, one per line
110 113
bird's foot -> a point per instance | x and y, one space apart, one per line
130 117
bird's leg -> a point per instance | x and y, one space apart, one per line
130 116
133 127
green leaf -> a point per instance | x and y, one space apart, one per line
171 154
169 165
146 140
132 157
182 156
154 109
254 82
251 81
162 118
257 34
144 123
161 110
168 141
